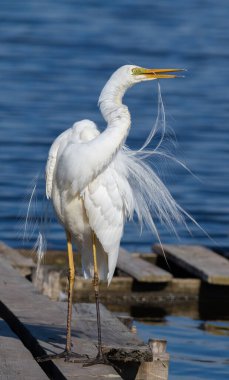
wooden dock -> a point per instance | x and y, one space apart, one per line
31 325
191 270
195 274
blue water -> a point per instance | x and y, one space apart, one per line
54 60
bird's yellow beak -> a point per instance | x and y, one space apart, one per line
156 73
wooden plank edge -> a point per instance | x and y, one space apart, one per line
16 361
189 267
23 264
157 274
29 342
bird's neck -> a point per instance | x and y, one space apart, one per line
100 151
113 110
107 144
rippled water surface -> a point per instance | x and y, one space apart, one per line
199 350
54 63
54 60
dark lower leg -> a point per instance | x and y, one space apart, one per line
96 289
100 358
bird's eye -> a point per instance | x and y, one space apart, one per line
137 71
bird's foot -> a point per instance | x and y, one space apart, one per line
99 359
68 356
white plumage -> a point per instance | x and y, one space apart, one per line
96 183
85 200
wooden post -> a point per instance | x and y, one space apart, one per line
47 281
158 368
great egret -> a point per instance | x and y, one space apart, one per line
96 183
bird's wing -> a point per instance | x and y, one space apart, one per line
105 207
59 142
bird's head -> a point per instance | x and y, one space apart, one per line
127 76
139 74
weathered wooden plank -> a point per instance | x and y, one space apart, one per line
116 336
16 362
118 284
14 257
40 323
200 261
126 319
125 346
150 257
52 257
133 265
141 270
50 283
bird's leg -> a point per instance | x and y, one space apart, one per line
100 358
71 279
96 289
67 354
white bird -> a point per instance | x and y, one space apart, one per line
95 184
